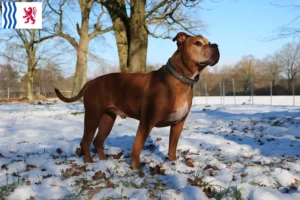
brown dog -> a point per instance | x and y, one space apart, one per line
159 98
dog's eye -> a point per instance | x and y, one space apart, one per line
198 43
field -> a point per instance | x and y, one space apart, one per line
225 152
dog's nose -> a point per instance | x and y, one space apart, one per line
214 45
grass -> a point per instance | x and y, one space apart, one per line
131 181
8 188
231 192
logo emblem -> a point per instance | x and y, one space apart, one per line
30 14
22 15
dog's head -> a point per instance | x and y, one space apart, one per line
196 51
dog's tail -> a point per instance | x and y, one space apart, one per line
72 99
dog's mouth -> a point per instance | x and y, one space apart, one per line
202 64
211 62
215 58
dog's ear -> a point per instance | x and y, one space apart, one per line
180 38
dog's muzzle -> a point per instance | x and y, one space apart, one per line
215 55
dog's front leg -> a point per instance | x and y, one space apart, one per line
175 132
142 133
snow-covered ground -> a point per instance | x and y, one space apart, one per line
229 152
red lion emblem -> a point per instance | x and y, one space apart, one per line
30 14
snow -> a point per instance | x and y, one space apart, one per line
253 150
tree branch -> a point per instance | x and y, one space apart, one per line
97 32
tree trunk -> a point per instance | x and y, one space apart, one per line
122 43
29 89
81 64
117 12
290 87
30 73
138 37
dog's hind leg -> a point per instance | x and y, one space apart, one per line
105 125
90 125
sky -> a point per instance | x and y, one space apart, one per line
239 27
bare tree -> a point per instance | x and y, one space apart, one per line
271 68
8 77
291 29
245 70
85 33
47 76
289 59
134 20
29 41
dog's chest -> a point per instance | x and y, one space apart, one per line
179 111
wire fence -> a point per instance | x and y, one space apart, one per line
251 87
9 93
205 88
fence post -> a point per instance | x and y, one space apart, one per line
293 92
221 92
8 93
271 91
224 93
252 90
205 91
233 89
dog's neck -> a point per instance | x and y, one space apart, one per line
180 67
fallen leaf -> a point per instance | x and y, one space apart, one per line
207 192
31 166
27 182
186 152
297 181
151 194
189 162
109 184
31 198
99 175
210 167
16 175
76 113
157 170
197 182
22 142
158 139
117 156
141 174
82 168
47 176
77 173
68 172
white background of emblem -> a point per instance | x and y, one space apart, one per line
20 13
